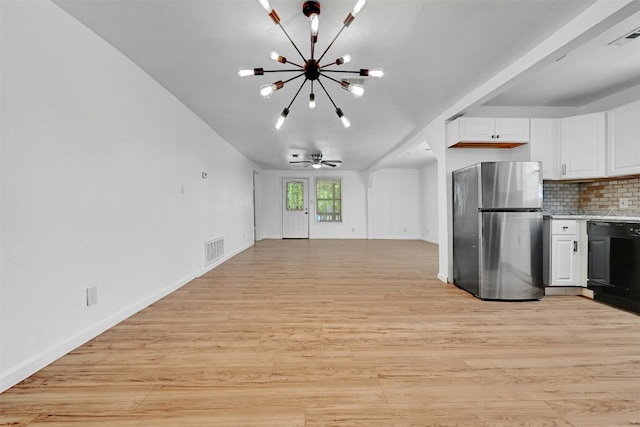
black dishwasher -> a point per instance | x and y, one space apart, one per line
614 263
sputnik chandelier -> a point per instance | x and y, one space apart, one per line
312 70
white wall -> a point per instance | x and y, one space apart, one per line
94 155
354 220
394 204
429 203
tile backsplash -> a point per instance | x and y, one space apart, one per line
601 197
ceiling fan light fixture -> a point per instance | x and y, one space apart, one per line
316 165
312 101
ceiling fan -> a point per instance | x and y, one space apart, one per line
316 162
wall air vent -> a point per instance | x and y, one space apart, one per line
213 250
626 38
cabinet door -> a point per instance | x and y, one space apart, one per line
624 140
582 146
543 146
477 129
512 130
565 267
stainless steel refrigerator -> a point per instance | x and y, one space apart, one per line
497 230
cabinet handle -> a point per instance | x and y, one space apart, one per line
564 169
497 136
575 246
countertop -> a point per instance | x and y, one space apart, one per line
611 218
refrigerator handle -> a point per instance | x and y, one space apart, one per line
575 246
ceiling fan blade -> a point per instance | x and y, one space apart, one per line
333 161
328 163
302 161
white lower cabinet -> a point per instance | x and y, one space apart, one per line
564 250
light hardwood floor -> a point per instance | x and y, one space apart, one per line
343 333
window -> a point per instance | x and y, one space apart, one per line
328 200
295 196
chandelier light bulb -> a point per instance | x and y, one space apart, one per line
356 90
244 72
312 101
345 59
277 57
376 72
358 7
267 90
314 23
265 4
283 116
345 121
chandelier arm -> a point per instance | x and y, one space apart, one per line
296 95
297 70
294 45
331 78
325 91
313 47
340 71
293 63
331 44
293 78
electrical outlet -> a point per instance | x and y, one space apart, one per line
353 229
405 229
624 203
92 295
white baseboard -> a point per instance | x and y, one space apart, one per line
53 353
442 277
425 239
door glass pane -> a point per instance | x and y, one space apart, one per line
295 196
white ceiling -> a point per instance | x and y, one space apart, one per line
586 74
433 52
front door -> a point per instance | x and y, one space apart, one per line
295 212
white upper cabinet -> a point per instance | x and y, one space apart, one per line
544 146
582 146
624 140
487 132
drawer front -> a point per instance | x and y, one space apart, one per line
562 226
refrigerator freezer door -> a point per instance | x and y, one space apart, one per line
511 185
511 256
